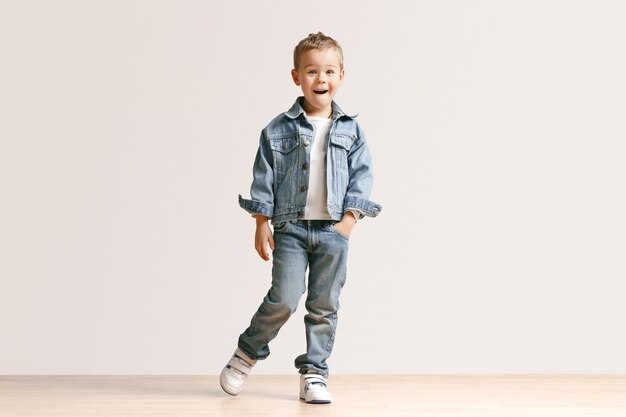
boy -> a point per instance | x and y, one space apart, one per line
312 178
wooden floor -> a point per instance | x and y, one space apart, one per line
276 396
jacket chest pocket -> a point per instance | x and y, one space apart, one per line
285 153
340 146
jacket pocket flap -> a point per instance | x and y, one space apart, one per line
345 142
283 145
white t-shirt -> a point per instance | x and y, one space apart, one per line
317 196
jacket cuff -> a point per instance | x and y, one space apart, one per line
256 207
362 206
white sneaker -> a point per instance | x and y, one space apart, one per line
235 372
313 389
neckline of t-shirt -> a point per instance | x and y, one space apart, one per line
320 119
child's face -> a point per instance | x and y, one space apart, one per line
319 74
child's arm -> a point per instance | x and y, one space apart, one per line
360 180
262 237
261 204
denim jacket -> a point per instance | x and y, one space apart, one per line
281 174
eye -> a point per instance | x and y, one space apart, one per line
311 72
330 72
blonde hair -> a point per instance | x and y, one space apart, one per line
316 41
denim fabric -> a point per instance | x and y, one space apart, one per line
300 244
281 174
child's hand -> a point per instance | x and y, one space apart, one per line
346 224
262 237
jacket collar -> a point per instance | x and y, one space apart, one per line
296 110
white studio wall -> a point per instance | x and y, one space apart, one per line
127 129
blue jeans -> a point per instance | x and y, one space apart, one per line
297 245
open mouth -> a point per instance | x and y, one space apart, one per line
320 91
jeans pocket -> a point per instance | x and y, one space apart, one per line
281 227
331 227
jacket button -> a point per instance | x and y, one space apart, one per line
303 188
306 143
305 166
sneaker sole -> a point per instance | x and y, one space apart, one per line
316 401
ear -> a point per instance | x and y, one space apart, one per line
294 75
341 75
